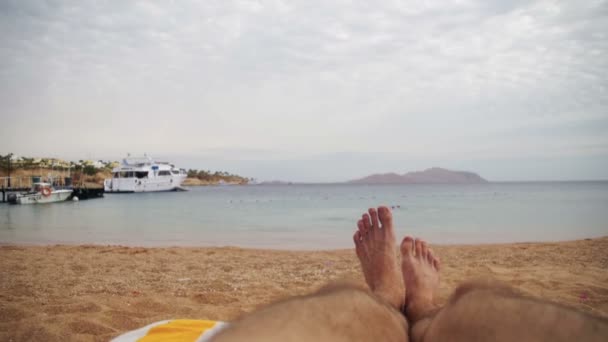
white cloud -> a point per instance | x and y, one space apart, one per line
438 80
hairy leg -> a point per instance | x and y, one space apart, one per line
337 313
484 311
490 311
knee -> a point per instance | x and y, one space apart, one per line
492 286
341 286
361 303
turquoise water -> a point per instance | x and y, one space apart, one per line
316 216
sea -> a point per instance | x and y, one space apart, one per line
315 217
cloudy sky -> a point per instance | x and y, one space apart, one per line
311 90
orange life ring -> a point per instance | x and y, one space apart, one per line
46 192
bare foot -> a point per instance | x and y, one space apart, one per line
421 277
375 246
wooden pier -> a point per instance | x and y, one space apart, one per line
17 185
87 193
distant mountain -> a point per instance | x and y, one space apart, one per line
433 175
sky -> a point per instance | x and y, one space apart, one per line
311 91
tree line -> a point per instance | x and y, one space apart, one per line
24 163
207 175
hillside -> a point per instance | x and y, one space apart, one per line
434 175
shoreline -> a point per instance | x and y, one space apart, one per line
286 248
94 293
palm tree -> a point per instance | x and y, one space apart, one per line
192 173
6 162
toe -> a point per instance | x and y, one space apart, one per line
407 246
374 216
436 264
424 249
357 238
358 244
367 224
430 256
361 227
418 247
386 218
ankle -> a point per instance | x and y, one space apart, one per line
392 296
419 308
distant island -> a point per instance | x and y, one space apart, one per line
276 182
433 175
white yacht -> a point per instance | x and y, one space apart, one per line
43 193
144 175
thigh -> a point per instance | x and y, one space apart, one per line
485 311
339 313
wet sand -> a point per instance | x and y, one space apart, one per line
93 293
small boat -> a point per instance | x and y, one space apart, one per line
144 175
43 193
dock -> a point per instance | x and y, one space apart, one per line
17 185
86 193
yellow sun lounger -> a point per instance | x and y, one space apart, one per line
177 330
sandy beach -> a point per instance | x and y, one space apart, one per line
93 293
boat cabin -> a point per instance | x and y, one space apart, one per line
37 187
147 174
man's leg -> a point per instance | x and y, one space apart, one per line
484 311
341 312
